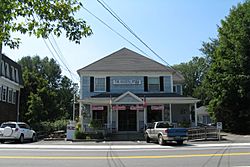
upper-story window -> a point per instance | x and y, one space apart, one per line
7 70
174 89
100 84
16 75
13 73
153 84
3 67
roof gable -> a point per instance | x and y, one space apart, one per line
126 60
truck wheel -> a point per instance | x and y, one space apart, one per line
147 138
180 142
161 140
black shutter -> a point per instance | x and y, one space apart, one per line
161 83
107 84
145 84
92 84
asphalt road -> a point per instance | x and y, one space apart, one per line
124 155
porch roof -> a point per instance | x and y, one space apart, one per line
108 95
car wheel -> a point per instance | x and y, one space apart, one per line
34 138
21 139
160 140
180 142
147 138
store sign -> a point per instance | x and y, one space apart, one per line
158 107
127 82
99 108
137 107
119 108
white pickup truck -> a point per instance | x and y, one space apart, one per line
164 131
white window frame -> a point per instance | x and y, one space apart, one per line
150 90
4 96
10 95
104 84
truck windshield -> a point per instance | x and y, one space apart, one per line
164 125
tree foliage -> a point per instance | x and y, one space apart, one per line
41 17
228 79
194 72
47 95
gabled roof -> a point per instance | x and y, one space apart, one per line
126 60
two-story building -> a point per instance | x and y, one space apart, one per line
125 90
10 84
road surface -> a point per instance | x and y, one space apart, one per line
117 155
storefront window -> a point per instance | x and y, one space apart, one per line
153 115
100 116
153 84
99 84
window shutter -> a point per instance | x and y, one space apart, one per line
92 84
107 84
145 84
161 83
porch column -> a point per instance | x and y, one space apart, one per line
170 113
111 115
195 111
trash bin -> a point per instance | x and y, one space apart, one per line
71 130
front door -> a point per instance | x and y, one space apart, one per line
127 120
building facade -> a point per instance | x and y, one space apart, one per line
125 90
10 84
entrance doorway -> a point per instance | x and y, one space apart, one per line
127 120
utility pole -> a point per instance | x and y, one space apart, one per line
74 102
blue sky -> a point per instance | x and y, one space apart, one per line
174 29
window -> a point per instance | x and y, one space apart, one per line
100 85
4 93
16 74
3 68
7 70
174 88
14 97
13 73
10 95
153 84
0 93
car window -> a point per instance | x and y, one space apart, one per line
23 126
9 125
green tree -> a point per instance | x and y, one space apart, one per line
47 95
41 17
228 79
193 72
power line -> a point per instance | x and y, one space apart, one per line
115 31
58 53
105 6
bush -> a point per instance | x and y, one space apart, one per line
49 127
88 135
